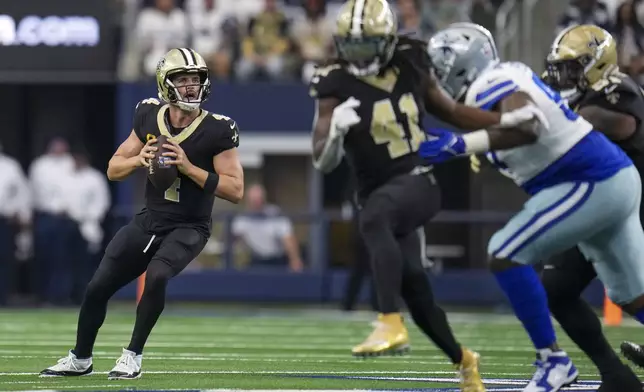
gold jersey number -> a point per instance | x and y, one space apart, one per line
172 194
385 128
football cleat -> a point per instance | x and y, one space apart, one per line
69 366
633 352
128 367
555 370
468 370
623 380
388 337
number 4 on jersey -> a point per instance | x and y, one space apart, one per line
172 193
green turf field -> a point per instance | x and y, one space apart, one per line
249 348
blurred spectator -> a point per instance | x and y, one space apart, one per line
159 29
267 233
15 213
313 36
239 9
210 38
483 12
88 201
49 174
410 19
585 12
629 33
265 45
442 13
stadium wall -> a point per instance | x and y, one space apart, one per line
282 114
472 288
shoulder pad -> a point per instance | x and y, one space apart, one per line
614 89
489 87
228 130
326 81
148 102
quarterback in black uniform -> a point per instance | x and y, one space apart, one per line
174 226
369 105
582 64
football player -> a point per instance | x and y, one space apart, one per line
582 64
571 173
370 102
174 225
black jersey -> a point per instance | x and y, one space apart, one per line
620 93
385 143
185 203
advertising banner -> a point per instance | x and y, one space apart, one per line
57 41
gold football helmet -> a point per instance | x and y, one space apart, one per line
581 56
366 35
182 61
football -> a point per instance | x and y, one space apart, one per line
161 175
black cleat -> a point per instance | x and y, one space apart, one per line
633 352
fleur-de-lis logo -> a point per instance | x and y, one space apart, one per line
160 64
594 43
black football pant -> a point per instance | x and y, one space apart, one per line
565 277
389 220
130 253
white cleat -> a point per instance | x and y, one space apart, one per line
69 366
555 370
128 367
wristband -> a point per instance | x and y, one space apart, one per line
477 142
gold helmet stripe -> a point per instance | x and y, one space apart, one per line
560 36
357 17
188 56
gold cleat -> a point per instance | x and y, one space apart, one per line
468 369
389 337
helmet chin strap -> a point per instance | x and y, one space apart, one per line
187 106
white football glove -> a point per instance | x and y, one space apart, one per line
344 117
521 115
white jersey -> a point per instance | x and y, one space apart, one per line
564 131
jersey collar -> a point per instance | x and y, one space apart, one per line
187 131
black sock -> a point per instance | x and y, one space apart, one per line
584 328
151 304
431 319
386 267
90 319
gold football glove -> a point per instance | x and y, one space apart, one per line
475 163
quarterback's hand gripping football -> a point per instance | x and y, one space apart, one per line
345 116
178 156
445 146
147 153
522 115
